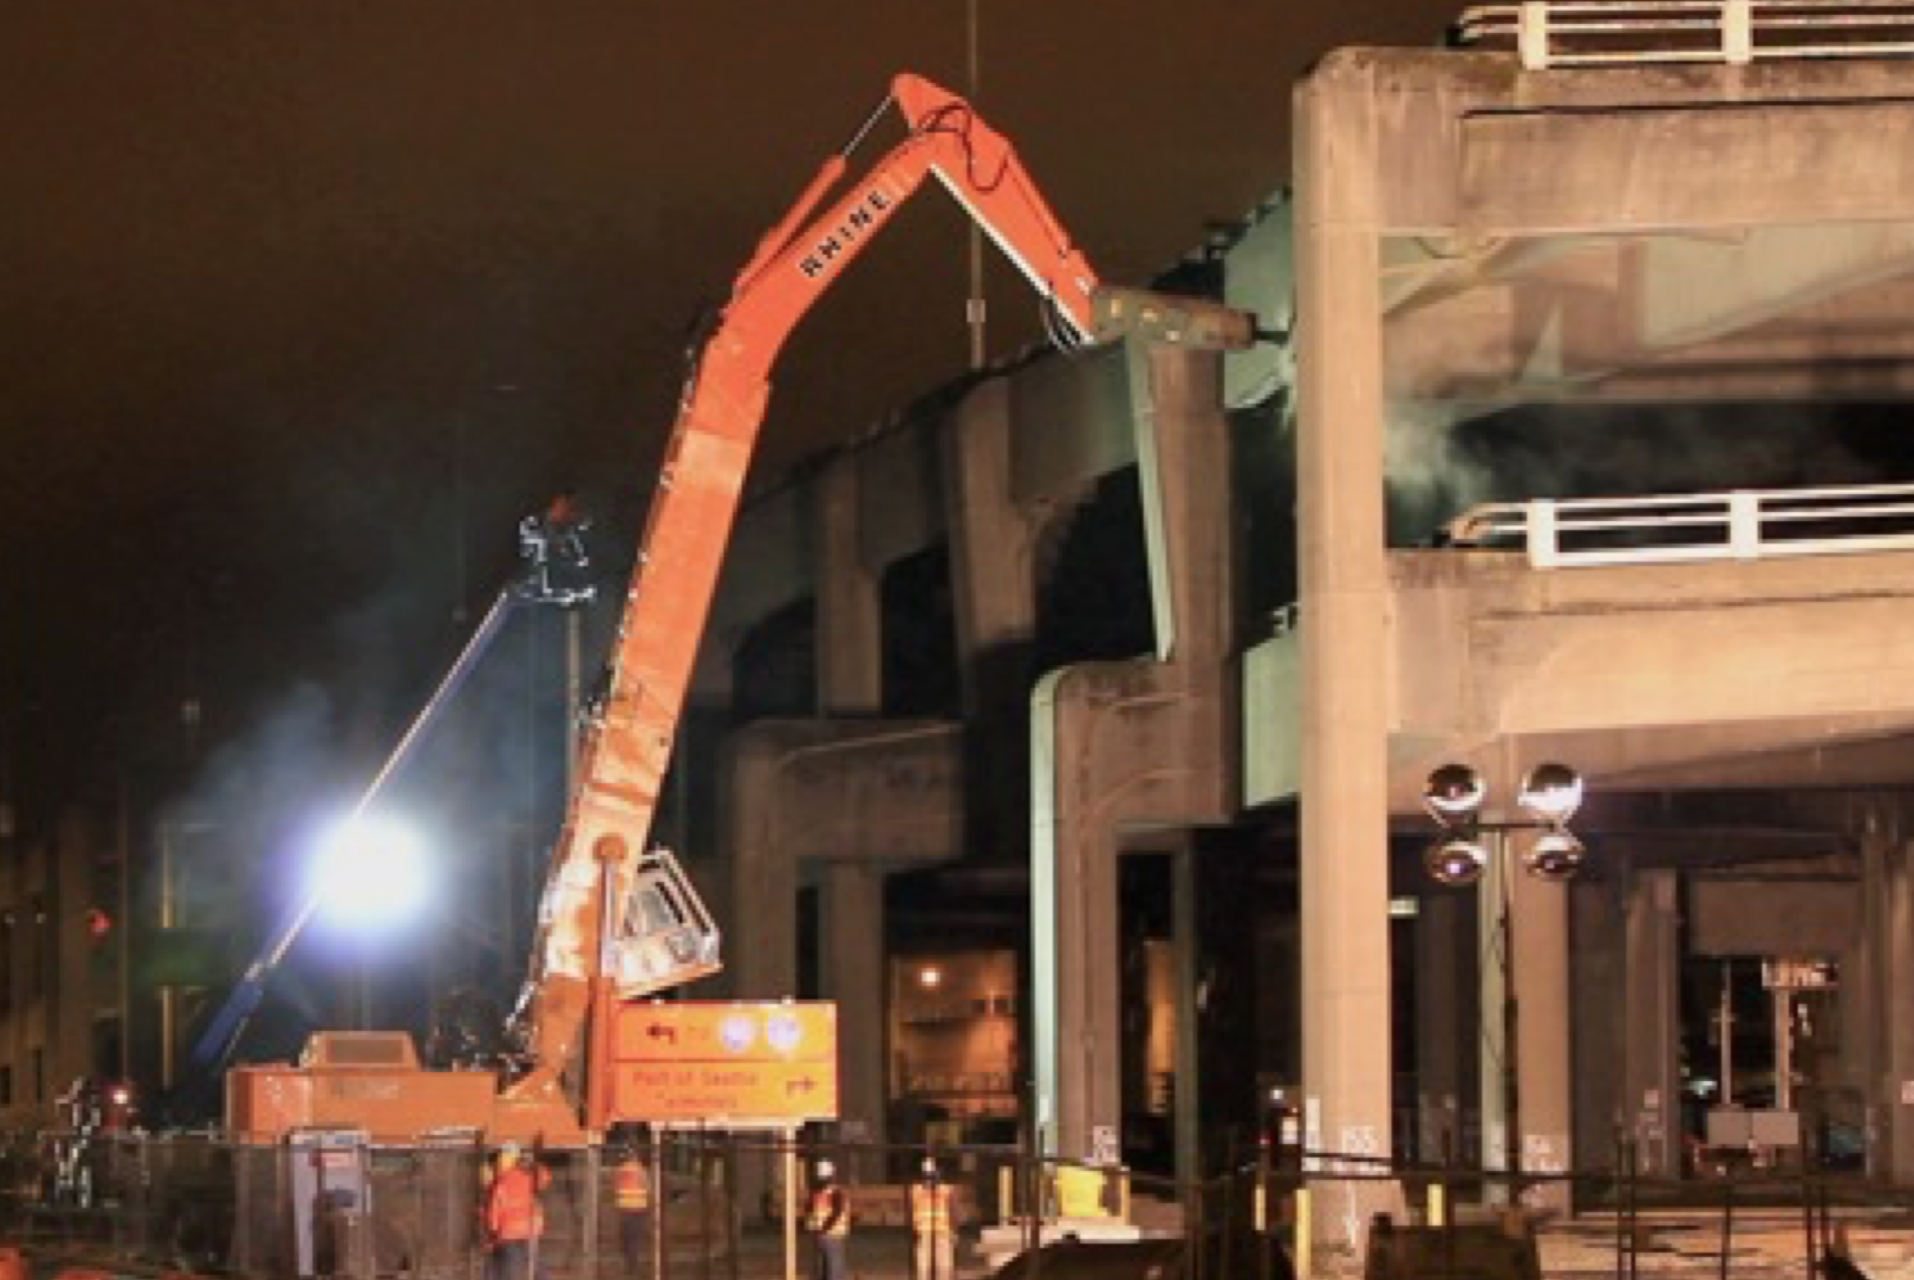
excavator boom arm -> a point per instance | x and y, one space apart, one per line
611 912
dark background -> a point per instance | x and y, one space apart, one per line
304 302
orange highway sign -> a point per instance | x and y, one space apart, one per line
739 1065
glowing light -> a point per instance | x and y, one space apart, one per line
370 874
930 977
1456 861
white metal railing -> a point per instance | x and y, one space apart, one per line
1745 524
1558 33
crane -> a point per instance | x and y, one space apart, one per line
552 548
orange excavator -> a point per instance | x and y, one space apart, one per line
619 920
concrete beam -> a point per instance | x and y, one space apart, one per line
804 793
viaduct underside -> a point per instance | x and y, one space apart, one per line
1552 298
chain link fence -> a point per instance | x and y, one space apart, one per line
329 1204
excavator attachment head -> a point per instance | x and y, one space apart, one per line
666 937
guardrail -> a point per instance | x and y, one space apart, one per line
1559 33
1743 524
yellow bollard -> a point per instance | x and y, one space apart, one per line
1123 1195
1259 1210
1006 1194
1304 1245
1438 1202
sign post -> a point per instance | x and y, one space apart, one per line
768 1065
742 1065
790 1160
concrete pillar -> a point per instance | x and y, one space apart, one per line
1897 996
850 677
1598 981
1077 1030
1184 918
762 964
990 537
994 596
850 650
1122 742
1343 583
1444 1005
854 973
1544 1113
1863 976
1652 1024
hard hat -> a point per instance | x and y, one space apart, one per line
825 1168
508 1148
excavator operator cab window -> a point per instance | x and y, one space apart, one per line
666 937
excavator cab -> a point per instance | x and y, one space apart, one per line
666 936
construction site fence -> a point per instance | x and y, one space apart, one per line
329 1204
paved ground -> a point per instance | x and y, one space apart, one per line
1762 1244
1768 1244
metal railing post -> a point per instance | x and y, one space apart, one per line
1532 35
1737 32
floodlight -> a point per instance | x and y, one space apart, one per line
370 874
1551 793
1454 794
1456 861
1555 855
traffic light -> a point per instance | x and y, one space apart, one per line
99 925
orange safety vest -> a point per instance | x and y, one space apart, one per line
511 1206
826 1201
930 1208
631 1189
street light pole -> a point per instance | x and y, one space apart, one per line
1500 1097
1479 852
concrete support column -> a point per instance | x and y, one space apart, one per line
1863 978
1184 936
1119 743
763 873
1540 985
994 593
994 598
1073 908
1652 1024
850 649
1444 1005
854 972
1897 996
850 678
1347 1063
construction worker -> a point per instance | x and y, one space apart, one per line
829 1219
932 1231
514 1220
631 1193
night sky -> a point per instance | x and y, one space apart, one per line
304 302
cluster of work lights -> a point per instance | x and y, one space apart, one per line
1550 795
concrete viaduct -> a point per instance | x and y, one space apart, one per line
1488 249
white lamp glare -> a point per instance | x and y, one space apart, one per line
370 874
1456 862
